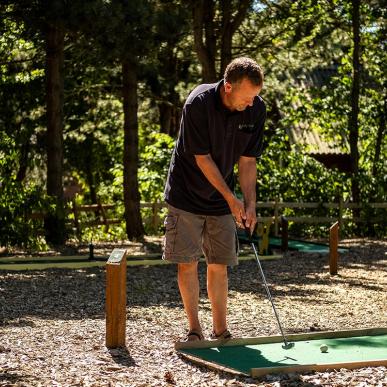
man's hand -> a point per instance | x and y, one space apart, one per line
244 216
237 208
251 217
241 211
248 180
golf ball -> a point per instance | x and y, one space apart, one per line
323 348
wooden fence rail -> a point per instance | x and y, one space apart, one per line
340 206
277 207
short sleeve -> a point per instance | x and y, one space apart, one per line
255 147
195 128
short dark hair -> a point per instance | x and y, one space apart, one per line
241 68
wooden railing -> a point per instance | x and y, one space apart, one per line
340 207
278 206
102 218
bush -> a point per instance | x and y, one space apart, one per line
17 203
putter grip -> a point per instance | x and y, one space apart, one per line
247 231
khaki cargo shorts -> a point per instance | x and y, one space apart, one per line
188 236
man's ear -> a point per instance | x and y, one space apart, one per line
227 87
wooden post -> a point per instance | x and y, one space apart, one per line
265 237
91 251
103 214
76 220
276 217
116 299
341 208
333 248
284 234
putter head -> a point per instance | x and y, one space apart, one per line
288 345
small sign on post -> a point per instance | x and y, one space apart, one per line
116 299
333 248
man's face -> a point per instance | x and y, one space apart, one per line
240 95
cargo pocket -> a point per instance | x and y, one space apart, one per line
170 224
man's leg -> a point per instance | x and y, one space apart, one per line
217 288
189 289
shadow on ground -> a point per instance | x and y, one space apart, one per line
79 294
122 357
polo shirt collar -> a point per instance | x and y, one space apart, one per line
219 103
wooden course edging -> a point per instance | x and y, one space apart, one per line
256 372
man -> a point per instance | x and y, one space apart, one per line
222 125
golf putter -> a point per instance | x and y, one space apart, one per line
287 344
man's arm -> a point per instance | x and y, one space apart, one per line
213 175
248 179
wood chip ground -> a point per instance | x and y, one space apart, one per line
52 322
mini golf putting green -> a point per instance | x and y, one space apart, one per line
264 355
303 246
293 244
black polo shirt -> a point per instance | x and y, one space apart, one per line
208 127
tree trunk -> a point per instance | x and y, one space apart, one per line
209 37
55 223
89 168
169 115
168 98
354 122
23 160
166 115
205 44
379 138
228 28
134 226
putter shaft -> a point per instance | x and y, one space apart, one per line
287 344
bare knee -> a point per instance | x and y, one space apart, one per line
187 268
216 269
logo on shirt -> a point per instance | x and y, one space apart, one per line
247 128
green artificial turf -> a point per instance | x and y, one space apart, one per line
340 350
303 246
293 244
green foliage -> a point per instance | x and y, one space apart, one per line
95 147
113 233
155 150
290 39
155 154
17 203
292 176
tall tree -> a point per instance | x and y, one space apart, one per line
214 25
125 40
55 33
382 112
45 22
355 93
134 226
169 68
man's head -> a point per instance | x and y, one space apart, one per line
243 81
